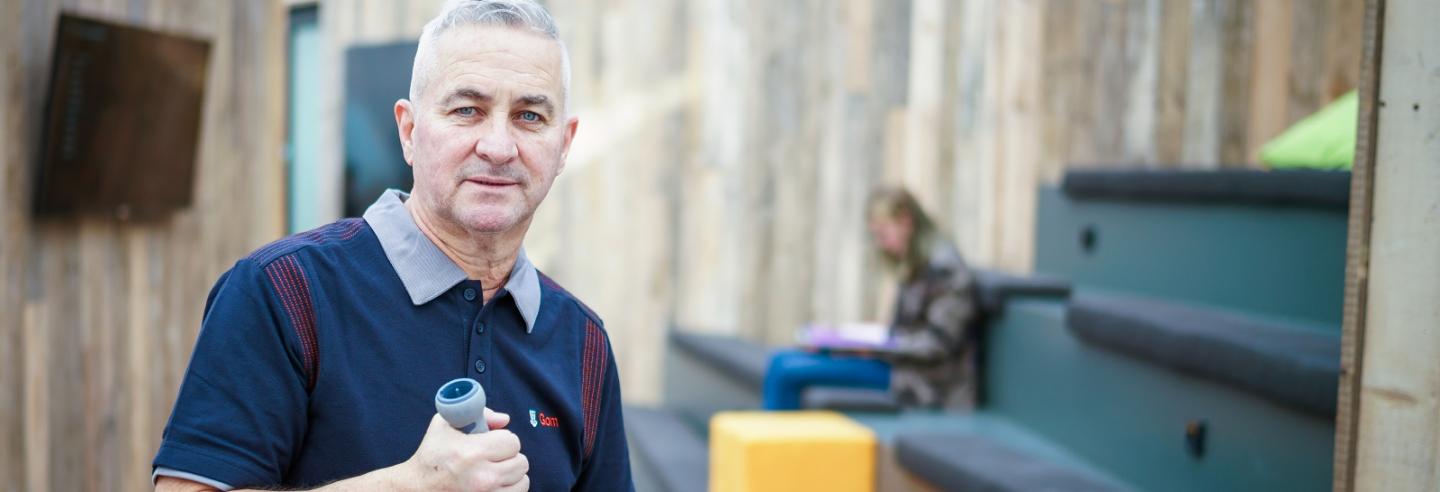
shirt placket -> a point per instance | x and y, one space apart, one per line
477 354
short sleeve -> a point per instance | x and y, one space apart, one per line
241 412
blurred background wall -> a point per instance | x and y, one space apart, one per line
98 316
725 148
716 184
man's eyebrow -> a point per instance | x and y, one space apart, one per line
537 100
465 93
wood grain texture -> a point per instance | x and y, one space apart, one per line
1269 72
14 179
1357 253
792 111
1237 52
101 313
1398 436
717 181
1171 101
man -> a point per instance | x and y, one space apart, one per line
320 354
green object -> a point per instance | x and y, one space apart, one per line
1324 140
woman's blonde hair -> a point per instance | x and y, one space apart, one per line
893 203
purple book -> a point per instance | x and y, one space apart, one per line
853 336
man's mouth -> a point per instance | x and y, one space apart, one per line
488 181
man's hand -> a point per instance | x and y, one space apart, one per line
450 460
446 460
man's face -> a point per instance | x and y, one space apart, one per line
488 133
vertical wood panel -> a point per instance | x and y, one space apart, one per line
1343 47
1204 91
1142 58
1171 102
1018 88
1399 410
1269 71
14 312
1357 254
1307 56
1238 25
103 313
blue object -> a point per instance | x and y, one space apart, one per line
791 371
247 416
461 402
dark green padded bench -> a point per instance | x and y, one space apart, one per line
740 365
743 361
666 454
979 451
1303 188
1291 364
960 461
1130 416
1269 242
993 288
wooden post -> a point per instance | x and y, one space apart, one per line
1358 255
1388 428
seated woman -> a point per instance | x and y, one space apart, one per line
928 360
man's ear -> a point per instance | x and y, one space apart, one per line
405 124
570 127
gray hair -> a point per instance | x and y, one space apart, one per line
517 14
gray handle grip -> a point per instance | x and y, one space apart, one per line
462 403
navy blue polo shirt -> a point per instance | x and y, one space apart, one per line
320 354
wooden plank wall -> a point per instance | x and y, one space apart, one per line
737 209
97 316
724 153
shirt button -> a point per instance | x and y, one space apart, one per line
479 328
479 366
469 294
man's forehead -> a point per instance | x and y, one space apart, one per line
473 56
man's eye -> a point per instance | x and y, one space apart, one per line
530 116
466 111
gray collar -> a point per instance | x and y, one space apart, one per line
426 271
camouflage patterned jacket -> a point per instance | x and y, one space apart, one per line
933 360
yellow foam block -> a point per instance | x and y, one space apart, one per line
790 451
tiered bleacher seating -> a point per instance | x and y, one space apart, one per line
1199 352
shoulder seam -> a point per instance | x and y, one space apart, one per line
339 231
589 313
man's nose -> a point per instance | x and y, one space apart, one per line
496 143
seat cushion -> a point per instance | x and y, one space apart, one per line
742 360
1290 364
962 461
848 399
673 453
1302 188
993 288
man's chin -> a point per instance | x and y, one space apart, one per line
487 222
